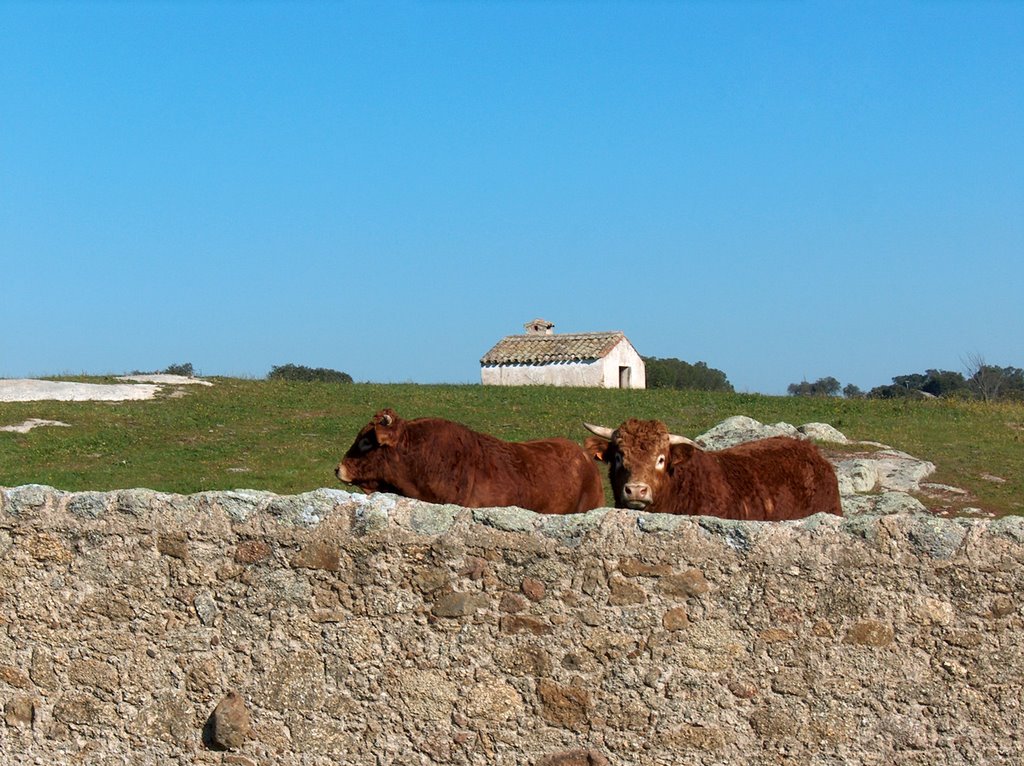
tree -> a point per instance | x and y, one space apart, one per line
675 373
912 382
827 386
851 391
821 387
803 388
989 382
943 383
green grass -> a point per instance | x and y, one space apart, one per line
287 437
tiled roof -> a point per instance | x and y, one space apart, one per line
546 349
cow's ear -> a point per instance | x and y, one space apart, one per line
597 448
680 453
386 427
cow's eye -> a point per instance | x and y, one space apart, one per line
618 460
660 464
365 444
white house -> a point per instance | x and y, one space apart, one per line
540 357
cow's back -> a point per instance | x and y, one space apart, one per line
771 479
454 464
560 477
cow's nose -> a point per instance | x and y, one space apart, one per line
638 492
340 472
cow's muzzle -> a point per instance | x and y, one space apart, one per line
342 473
637 495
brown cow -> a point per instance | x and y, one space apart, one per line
767 480
444 462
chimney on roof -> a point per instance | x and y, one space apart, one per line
539 327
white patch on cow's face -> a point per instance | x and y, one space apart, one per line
660 463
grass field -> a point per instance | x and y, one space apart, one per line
288 437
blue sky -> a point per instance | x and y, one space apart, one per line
783 190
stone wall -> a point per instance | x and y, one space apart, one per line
331 628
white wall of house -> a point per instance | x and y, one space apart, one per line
585 374
601 373
624 357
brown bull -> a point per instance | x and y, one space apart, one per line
767 480
445 462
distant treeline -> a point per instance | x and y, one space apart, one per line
675 373
984 382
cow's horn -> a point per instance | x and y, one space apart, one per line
603 431
677 439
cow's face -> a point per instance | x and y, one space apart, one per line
368 462
638 454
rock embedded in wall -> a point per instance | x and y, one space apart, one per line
229 724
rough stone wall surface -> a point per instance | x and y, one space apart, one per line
328 628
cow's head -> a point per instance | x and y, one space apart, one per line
639 457
367 462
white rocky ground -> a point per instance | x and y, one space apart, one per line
28 425
133 388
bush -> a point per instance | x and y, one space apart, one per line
300 373
180 369
897 391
